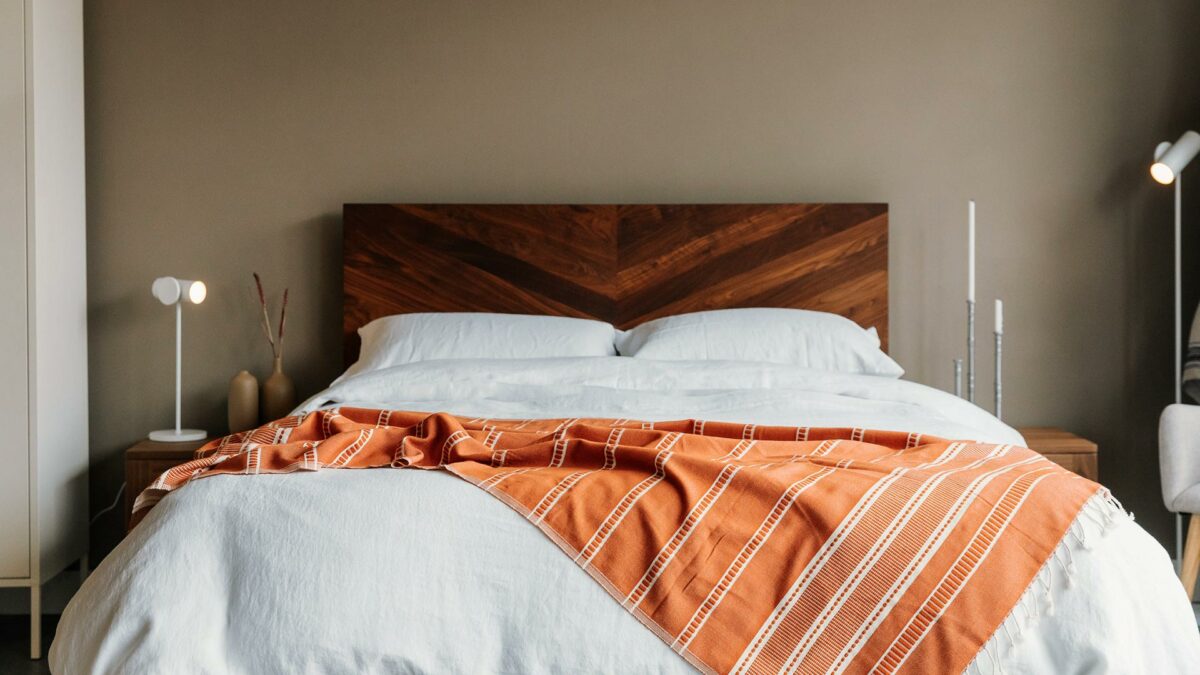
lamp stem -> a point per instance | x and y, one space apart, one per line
1178 375
178 362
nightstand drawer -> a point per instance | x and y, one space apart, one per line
1084 465
1065 449
146 461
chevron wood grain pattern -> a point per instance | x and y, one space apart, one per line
619 263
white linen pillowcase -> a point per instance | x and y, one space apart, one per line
407 338
817 340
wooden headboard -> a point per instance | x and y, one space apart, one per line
618 263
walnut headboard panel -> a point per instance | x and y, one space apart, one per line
619 263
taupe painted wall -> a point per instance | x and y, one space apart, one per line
224 136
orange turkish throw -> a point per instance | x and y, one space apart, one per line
747 549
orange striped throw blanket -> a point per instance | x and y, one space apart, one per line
747 549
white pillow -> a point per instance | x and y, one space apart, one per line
407 338
818 340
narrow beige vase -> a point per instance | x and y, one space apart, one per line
278 394
243 402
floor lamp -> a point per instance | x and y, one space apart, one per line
1169 162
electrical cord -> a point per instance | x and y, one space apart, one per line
110 506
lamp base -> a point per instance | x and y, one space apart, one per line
173 436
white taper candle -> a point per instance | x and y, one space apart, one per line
971 250
1000 316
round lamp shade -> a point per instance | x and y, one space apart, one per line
170 290
1162 173
197 291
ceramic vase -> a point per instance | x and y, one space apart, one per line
243 402
278 394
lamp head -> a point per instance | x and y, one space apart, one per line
170 290
1162 173
1170 159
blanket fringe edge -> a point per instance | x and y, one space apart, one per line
1099 514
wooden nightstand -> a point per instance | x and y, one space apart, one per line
1065 449
148 460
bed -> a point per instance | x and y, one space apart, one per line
272 563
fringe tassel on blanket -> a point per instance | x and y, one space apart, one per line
1095 519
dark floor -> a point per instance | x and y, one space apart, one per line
14 645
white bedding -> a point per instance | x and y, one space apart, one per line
279 573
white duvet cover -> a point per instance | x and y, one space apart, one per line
381 570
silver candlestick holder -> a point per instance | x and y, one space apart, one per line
958 377
999 385
971 351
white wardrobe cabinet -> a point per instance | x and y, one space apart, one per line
43 297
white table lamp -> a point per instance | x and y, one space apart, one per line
172 291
